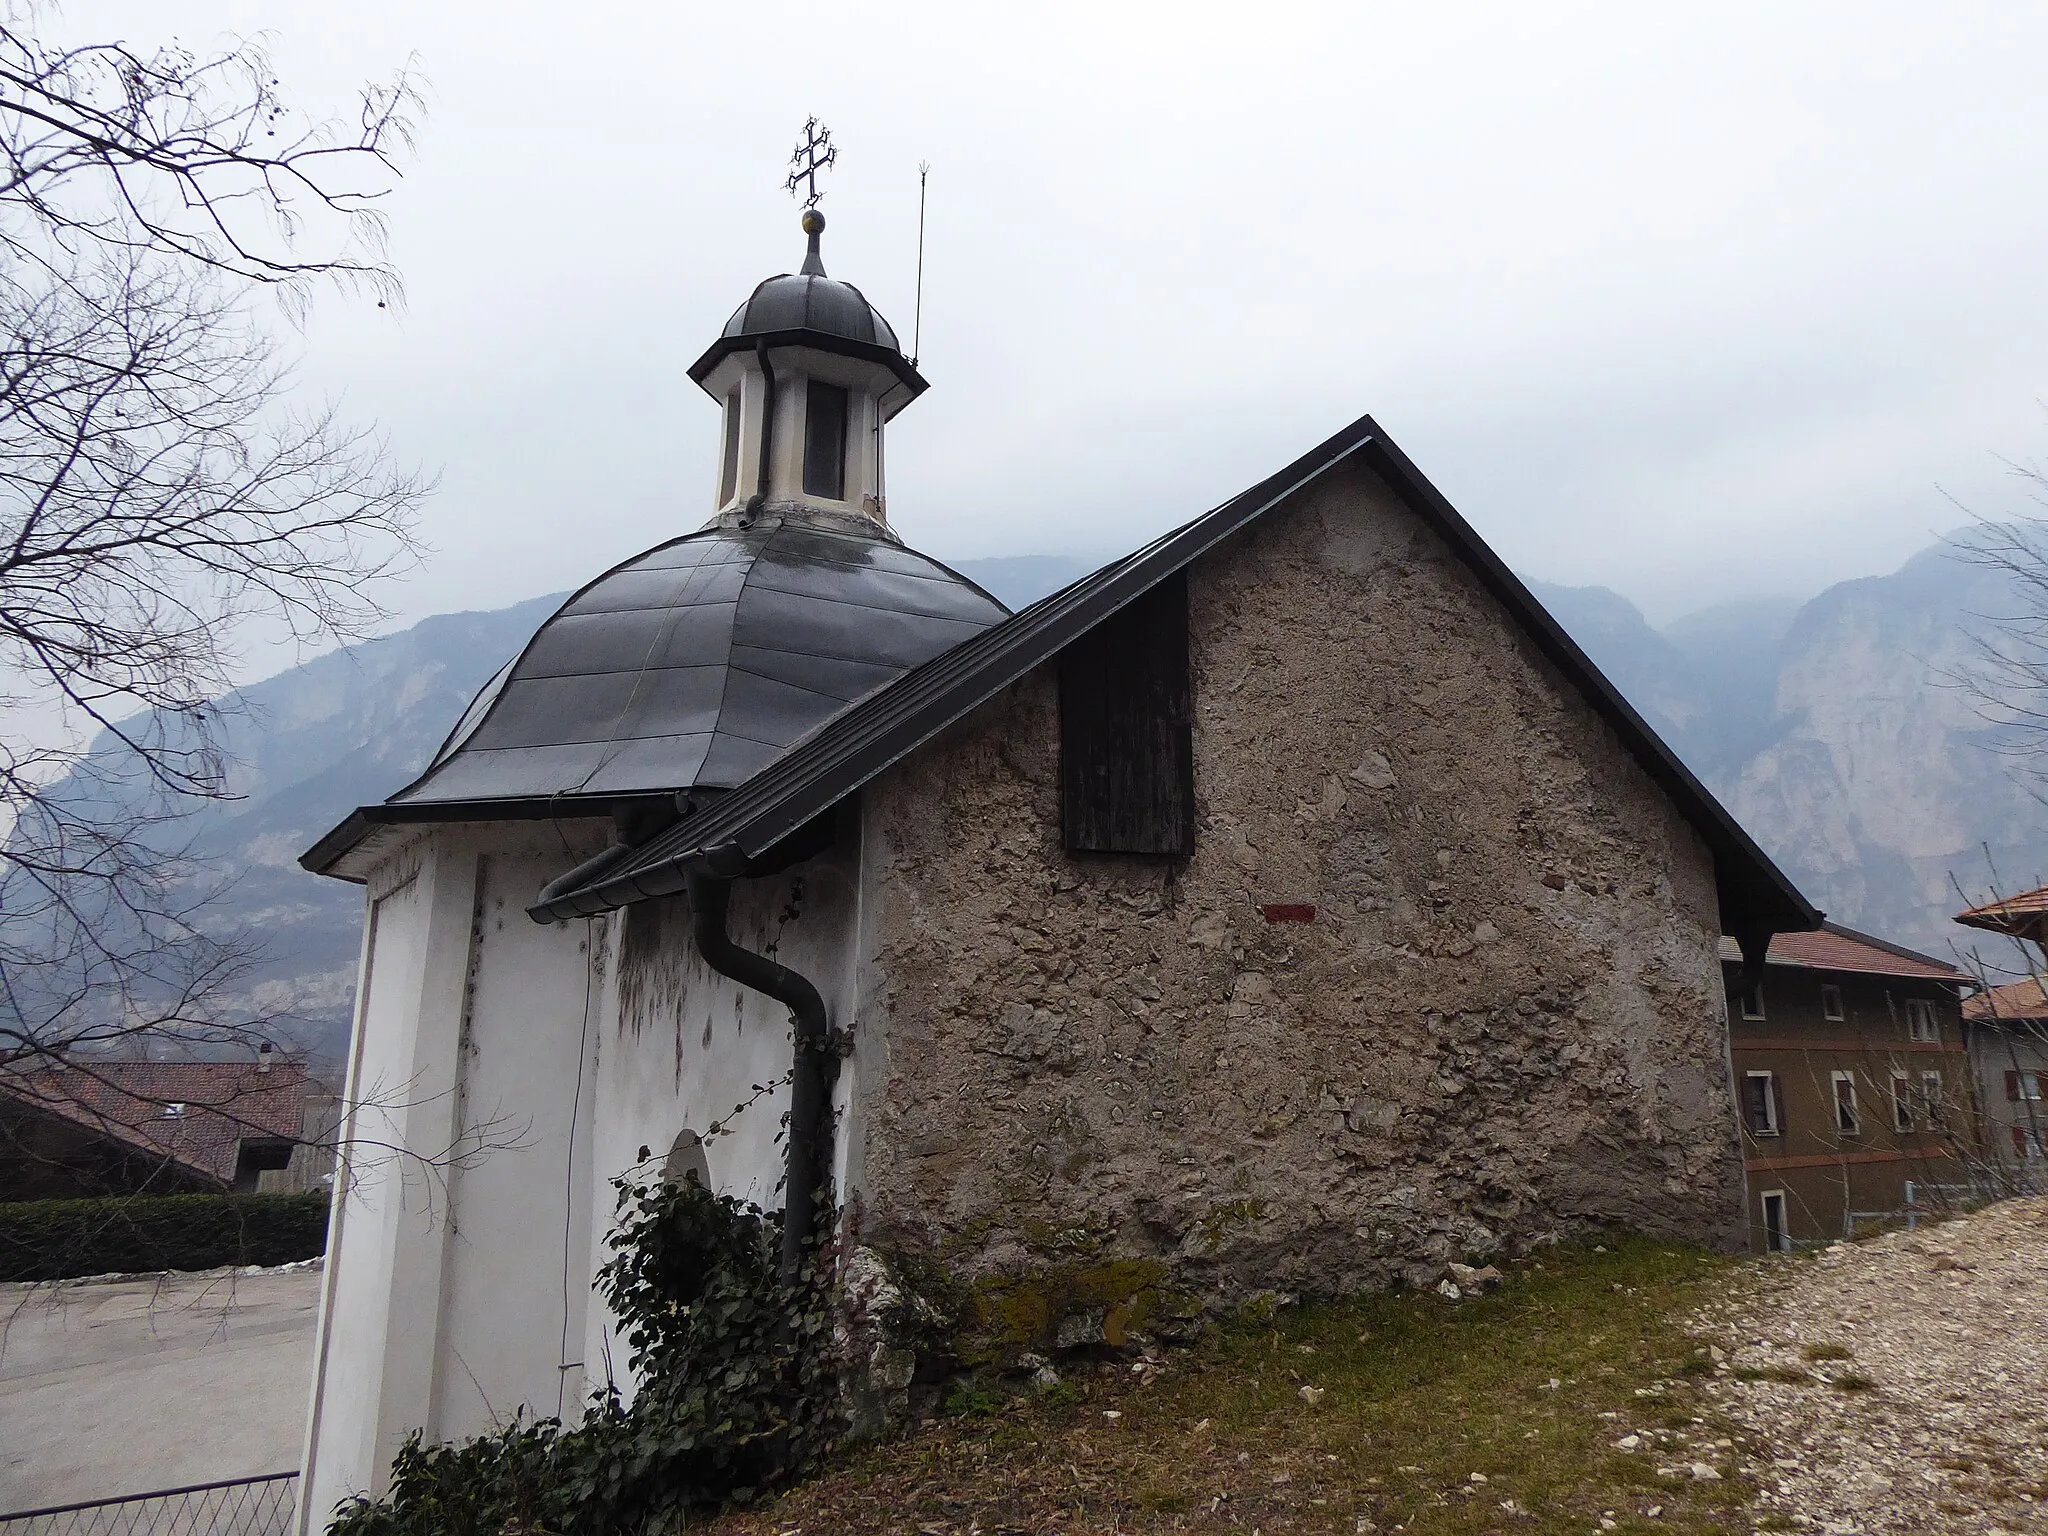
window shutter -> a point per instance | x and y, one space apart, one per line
2019 1140
2012 1085
1127 754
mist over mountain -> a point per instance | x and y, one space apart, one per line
1843 735
1831 728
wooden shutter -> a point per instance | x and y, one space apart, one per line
1127 754
2012 1085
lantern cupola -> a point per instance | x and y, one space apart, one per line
808 374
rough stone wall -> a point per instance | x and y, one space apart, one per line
1505 1022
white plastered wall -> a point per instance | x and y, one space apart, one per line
454 1294
681 1047
459 1291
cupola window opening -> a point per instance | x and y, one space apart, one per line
729 459
825 413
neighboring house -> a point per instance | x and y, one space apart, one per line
85 1128
2009 1047
1289 906
1852 1083
2009 1042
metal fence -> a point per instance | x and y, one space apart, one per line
247 1506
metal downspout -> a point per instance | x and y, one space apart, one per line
814 1066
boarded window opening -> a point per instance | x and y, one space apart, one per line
1127 753
825 441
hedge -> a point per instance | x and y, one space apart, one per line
134 1234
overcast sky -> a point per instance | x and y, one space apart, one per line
1693 302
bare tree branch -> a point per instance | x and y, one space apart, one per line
160 493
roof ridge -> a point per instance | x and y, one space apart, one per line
846 751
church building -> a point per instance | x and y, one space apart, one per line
1289 906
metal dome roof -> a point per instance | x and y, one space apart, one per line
698 662
801 301
808 309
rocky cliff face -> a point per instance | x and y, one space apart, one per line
1846 736
1884 785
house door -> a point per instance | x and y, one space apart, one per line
1776 1238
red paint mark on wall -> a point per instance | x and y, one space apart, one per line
1289 912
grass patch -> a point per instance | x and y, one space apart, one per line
1500 1413
968 1403
1852 1381
1818 1352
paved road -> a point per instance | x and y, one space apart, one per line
125 1388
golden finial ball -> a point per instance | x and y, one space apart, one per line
814 222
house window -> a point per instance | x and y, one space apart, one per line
2026 1143
2022 1085
1777 1236
825 441
1920 1021
1902 1101
729 463
1753 1002
1846 1121
1760 1103
1932 1098
1127 750
1831 1004
174 1111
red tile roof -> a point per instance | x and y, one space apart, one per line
2015 1000
1835 948
193 1113
2022 914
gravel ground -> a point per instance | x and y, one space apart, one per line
1898 1385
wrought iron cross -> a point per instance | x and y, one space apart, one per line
813 154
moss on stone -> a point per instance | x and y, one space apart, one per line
1022 1310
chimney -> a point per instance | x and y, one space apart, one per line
263 1056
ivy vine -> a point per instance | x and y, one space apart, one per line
738 1395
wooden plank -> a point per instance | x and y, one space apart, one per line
1127 755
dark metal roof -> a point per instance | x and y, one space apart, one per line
802 302
856 745
810 310
690 666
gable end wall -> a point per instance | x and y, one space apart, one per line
1504 1023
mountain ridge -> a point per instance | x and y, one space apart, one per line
1827 728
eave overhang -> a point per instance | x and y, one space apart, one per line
333 855
823 341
